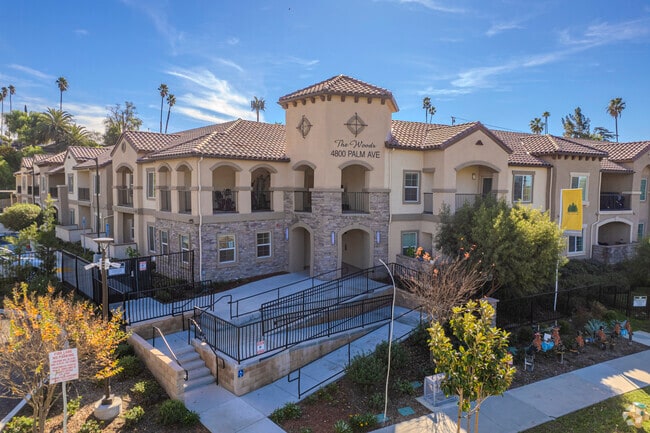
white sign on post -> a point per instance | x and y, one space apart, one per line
64 365
640 301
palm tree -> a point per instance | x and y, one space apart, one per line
171 101
546 115
77 136
536 125
426 104
3 95
257 105
432 111
55 125
615 108
62 83
12 91
164 91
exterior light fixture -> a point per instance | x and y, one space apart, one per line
333 237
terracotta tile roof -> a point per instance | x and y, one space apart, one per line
539 145
339 85
422 136
83 153
27 162
238 139
520 155
625 152
44 159
143 141
103 159
608 166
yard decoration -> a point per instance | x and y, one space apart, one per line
636 414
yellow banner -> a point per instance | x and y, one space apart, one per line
571 216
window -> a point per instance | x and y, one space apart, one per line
523 188
70 183
164 242
43 184
411 186
409 240
576 244
640 232
263 245
185 248
151 238
580 181
72 217
96 183
151 183
644 189
226 249
132 230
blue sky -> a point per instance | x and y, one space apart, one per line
499 62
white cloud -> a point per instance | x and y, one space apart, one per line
154 11
305 63
435 6
81 32
606 33
230 63
232 40
502 27
193 113
33 72
88 115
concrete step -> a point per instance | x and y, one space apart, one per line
199 377
192 364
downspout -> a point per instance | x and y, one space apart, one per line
200 222
595 225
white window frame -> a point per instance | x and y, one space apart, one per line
519 196
70 183
164 242
644 189
572 245
585 190
151 183
405 247
72 216
640 231
226 244
132 230
184 241
151 238
263 244
408 187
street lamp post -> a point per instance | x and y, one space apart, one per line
97 222
102 244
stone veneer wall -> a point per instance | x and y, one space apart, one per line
175 230
612 254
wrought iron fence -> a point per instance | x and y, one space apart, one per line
355 202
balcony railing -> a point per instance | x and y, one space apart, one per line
224 201
19 189
83 194
261 201
32 190
355 202
302 201
472 199
165 200
54 192
428 203
125 196
614 201
185 201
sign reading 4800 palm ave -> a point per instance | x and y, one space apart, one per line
355 149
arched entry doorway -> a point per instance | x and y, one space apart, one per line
355 251
300 250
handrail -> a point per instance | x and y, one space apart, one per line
277 289
215 303
201 334
168 348
202 285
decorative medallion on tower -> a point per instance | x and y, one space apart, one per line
304 126
355 124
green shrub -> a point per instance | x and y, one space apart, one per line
73 405
305 430
130 365
403 387
286 412
174 412
366 371
398 354
91 426
342 426
610 316
147 392
20 424
566 328
361 422
376 401
123 349
133 416
525 335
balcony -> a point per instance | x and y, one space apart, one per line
32 191
165 200
125 196
54 192
355 202
428 203
302 201
83 194
614 201
472 199
261 201
185 201
19 189
224 201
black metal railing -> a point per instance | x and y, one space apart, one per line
614 201
261 201
125 196
54 192
19 189
224 201
83 194
428 203
185 201
472 199
165 200
302 201
355 202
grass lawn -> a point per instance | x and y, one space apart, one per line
605 417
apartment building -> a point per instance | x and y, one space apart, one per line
340 186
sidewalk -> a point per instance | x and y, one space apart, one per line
531 405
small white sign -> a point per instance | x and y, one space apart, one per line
64 365
261 347
640 301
